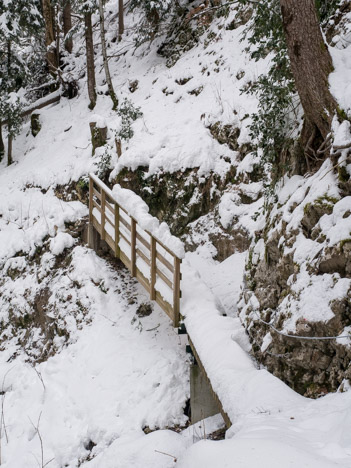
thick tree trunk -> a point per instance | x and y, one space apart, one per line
2 146
67 25
104 56
49 37
120 20
310 64
90 60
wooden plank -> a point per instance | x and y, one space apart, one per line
97 225
109 240
164 305
124 237
153 269
96 205
125 223
163 260
141 254
117 249
133 247
125 260
110 207
91 192
215 396
142 280
110 221
97 194
103 214
143 241
164 278
176 291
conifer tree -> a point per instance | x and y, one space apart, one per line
19 19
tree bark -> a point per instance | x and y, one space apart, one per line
120 20
9 148
51 56
311 64
90 60
2 146
67 25
104 56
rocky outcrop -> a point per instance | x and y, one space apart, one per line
298 289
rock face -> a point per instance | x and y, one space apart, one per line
176 198
298 282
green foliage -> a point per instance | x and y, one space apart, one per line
153 13
11 109
274 123
327 8
128 114
103 164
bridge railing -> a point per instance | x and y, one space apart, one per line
154 265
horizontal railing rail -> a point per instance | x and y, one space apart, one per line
151 262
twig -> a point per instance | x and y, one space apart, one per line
168 455
155 328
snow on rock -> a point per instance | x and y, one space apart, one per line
139 210
60 242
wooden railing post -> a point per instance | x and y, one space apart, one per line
176 292
133 247
91 188
117 249
103 214
152 268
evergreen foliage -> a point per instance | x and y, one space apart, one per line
274 124
153 12
20 20
128 113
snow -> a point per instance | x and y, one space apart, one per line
119 373
61 242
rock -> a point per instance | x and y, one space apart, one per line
35 125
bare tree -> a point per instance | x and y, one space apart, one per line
311 64
90 59
105 59
120 20
51 56
67 25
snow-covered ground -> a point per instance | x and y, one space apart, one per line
118 373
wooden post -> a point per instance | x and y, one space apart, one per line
176 292
91 186
152 268
103 213
117 249
133 247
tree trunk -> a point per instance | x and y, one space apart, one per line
49 37
90 60
2 146
9 148
311 64
67 25
104 56
120 20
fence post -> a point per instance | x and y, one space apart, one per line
103 213
133 247
176 292
153 268
90 226
117 249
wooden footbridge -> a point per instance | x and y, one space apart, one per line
158 270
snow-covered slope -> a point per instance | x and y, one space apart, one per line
82 373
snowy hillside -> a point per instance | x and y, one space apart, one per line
92 372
